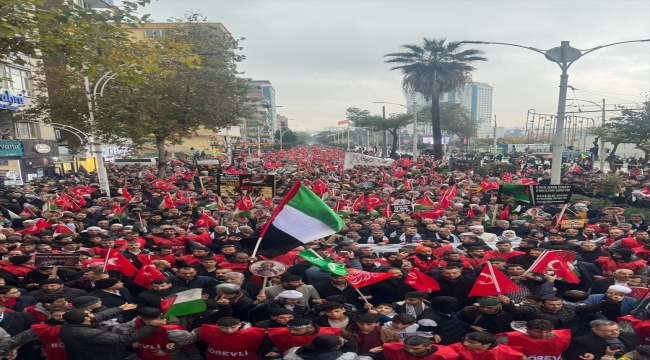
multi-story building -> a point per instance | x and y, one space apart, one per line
94 4
258 125
477 97
27 149
268 92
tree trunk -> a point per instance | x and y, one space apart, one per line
393 149
435 125
162 162
610 158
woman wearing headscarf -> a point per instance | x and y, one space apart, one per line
509 235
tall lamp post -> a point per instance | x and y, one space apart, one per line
564 56
415 124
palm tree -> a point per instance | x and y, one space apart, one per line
432 69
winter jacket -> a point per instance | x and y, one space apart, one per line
449 328
68 293
472 316
83 342
458 289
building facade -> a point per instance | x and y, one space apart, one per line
268 92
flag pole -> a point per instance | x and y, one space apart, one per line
494 215
108 253
536 262
257 246
494 278
559 218
362 296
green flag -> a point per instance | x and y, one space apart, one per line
324 264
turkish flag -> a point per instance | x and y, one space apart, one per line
358 279
116 261
549 260
147 273
374 201
206 220
161 184
32 230
505 213
29 211
203 239
42 224
125 193
357 203
470 213
492 282
319 188
421 282
245 204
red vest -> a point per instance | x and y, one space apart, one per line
191 259
18 270
155 341
39 316
475 262
170 258
641 328
631 243
177 244
240 345
236 267
609 241
642 253
395 351
609 266
541 348
50 336
284 341
423 265
501 352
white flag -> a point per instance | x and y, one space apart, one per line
352 159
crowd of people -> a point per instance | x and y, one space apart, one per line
96 311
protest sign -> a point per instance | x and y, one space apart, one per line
246 184
56 260
401 208
534 194
352 159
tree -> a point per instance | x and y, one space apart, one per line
455 119
363 119
609 185
432 69
63 30
634 126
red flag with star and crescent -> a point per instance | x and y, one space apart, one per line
116 261
492 282
147 273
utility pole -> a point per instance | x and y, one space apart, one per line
415 131
348 137
102 176
495 133
602 141
384 149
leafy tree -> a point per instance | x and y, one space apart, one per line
363 119
610 133
634 126
455 119
609 185
63 30
432 69
288 138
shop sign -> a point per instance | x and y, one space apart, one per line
11 101
11 148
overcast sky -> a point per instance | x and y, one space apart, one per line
323 56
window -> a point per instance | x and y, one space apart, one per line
19 81
26 130
154 33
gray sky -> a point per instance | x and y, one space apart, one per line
324 56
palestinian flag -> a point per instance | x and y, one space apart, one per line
300 218
341 210
13 215
5 222
324 264
61 229
423 203
514 194
183 303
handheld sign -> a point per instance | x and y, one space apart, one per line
56 260
267 268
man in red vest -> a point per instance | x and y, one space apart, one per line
539 341
231 339
621 259
154 346
418 348
299 332
484 346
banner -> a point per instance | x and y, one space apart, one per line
60 260
352 159
573 224
246 184
534 194
401 208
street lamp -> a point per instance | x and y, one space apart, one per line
564 56
415 125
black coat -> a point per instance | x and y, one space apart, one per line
459 289
388 291
600 286
83 342
68 293
594 344
16 322
113 300
472 316
328 289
